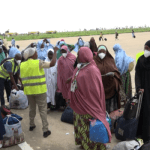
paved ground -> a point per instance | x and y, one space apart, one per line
58 139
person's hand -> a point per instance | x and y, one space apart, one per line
56 49
141 90
68 80
15 87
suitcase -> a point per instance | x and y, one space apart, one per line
126 129
114 116
131 108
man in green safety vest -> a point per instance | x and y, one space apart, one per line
9 68
34 82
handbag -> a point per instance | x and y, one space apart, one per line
98 132
131 108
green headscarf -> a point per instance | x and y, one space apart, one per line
2 56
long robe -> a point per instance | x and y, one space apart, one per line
142 81
51 81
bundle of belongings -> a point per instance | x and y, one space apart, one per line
18 100
14 134
13 51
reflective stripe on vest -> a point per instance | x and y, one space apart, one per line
33 78
3 72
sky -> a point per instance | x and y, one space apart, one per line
23 16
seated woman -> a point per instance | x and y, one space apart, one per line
87 99
51 81
125 65
105 63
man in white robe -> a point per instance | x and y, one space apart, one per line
51 79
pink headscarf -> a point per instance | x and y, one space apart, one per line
62 40
89 97
65 71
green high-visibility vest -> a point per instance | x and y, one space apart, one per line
33 79
3 72
138 55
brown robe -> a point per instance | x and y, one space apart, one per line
111 84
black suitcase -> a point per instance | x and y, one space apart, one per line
127 129
131 108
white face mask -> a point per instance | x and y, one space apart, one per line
64 55
101 55
146 53
18 62
47 44
42 49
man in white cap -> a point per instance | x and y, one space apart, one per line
34 82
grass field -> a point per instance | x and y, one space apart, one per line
74 34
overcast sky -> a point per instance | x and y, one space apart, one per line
22 16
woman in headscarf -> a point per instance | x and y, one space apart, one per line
125 65
87 99
51 80
106 64
93 45
142 83
41 51
65 71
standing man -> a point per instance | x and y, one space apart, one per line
34 82
101 37
13 42
116 36
7 70
5 42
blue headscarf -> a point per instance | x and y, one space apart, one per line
79 44
13 51
121 59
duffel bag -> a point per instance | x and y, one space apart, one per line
67 115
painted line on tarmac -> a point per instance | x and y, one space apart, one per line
25 146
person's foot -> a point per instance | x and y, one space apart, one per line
32 128
46 134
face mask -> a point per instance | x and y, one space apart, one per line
146 53
101 55
47 44
42 49
18 62
64 55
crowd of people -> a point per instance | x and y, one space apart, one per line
91 84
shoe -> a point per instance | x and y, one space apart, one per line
32 128
46 134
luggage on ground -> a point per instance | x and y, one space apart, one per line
12 123
98 132
128 145
131 108
114 116
127 129
67 115
134 36
18 100
146 146
5 111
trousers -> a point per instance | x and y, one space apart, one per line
41 101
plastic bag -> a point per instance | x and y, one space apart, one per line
10 128
18 100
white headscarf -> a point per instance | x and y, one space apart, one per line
87 44
29 52
47 59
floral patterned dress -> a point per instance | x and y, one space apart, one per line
81 127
